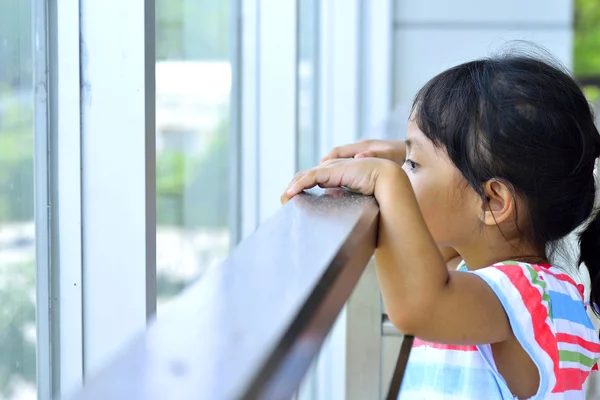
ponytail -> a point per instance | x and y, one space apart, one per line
589 240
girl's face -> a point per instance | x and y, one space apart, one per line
448 204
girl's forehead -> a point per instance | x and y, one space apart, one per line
412 130
416 138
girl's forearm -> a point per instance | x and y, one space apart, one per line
410 267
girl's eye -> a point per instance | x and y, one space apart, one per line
411 164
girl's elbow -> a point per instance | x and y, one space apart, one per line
407 322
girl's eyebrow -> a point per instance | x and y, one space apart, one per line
411 142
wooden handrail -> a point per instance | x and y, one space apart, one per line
250 328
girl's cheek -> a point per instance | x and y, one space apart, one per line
428 201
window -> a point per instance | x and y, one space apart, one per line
308 83
193 85
17 227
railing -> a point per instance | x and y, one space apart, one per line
250 328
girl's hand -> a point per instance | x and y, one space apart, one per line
389 149
360 175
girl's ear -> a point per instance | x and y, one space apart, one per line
499 204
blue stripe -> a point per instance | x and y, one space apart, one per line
564 307
449 379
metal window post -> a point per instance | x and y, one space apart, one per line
118 174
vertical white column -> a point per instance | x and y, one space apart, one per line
376 60
340 77
118 174
277 124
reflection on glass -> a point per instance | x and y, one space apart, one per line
17 229
308 81
193 83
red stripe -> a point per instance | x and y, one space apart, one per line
570 379
578 340
532 299
420 343
560 276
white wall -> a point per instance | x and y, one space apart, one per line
433 35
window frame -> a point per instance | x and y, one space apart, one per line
42 199
65 181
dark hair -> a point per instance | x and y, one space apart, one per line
524 122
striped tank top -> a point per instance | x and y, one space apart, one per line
546 310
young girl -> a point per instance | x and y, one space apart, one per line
496 169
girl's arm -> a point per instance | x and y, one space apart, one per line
422 297
395 151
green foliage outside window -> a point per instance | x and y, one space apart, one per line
587 46
587 38
201 179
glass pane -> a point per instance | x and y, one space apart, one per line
17 229
308 81
308 131
193 84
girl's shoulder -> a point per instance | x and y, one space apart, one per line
526 274
548 315
547 278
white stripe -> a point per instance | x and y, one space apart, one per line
572 328
570 395
576 348
570 364
455 358
556 285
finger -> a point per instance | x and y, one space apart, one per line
366 154
306 182
347 151
284 198
297 177
324 177
321 175
334 162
